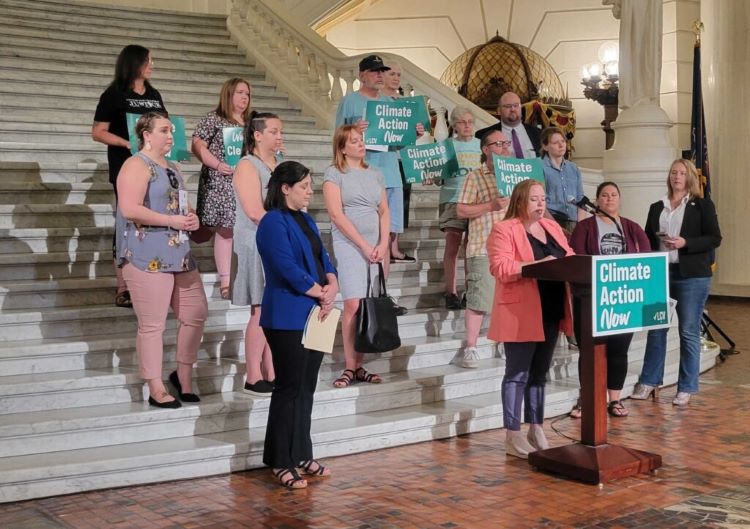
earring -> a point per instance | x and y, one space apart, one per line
148 145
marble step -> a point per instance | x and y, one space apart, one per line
105 318
66 7
71 292
32 476
28 33
100 53
47 390
127 422
96 83
193 29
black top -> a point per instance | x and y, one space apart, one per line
112 107
551 293
700 229
535 135
315 243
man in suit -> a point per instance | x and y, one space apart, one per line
525 139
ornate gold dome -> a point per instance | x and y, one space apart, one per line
483 73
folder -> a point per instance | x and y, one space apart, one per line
319 335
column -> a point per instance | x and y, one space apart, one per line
725 47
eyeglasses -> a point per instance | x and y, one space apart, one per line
500 143
508 106
173 179
464 123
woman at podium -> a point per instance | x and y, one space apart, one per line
607 233
684 224
528 314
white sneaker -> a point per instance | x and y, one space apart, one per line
470 359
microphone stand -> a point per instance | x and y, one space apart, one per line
590 207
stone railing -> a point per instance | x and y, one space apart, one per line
315 74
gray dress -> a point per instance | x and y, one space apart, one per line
247 269
361 193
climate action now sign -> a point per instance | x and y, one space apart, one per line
233 139
510 172
428 162
392 122
629 293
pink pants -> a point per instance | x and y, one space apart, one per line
152 294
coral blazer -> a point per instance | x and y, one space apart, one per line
517 308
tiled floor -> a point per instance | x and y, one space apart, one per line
468 481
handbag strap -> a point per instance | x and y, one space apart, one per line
381 279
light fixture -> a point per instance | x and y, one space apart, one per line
600 83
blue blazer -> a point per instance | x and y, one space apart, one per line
290 270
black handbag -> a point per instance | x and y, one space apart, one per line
377 326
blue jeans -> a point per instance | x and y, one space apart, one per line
691 294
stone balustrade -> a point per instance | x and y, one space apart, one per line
316 74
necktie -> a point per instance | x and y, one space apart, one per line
516 144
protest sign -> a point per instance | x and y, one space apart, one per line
233 139
512 171
391 123
430 161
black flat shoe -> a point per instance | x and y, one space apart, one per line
172 404
185 397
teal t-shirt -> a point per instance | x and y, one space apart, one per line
469 156
352 109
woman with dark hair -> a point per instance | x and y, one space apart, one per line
299 276
216 203
600 235
153 218
263 138
562 178
356 200
129 93
683 223
528 313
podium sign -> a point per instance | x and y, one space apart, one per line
629 293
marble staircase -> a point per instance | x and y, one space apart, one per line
72 411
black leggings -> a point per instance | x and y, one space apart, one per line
617 351
288 441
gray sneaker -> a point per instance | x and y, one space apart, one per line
470 358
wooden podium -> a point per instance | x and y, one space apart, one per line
592 460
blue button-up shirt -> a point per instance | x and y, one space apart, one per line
562 185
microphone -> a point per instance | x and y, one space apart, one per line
585 204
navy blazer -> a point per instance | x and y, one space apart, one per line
290 270
700 229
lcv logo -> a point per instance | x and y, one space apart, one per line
629 293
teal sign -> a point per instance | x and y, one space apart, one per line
428 162
392 122
629 293
233 139
179 152
423 113
512 171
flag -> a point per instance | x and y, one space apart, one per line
698 152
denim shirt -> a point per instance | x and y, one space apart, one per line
562 185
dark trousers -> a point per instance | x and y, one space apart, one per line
526 366
288 431
617 350
407 194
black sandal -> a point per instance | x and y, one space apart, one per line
345 380
122 299
361 375
306 467
617 409
289 478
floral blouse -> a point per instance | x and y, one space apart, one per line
155 248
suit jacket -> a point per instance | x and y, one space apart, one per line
585 237
700 229
517 308
290 270
535 135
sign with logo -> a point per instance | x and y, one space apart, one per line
430 161
629 293
179 152
512 171
233 139
422 112
391 122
